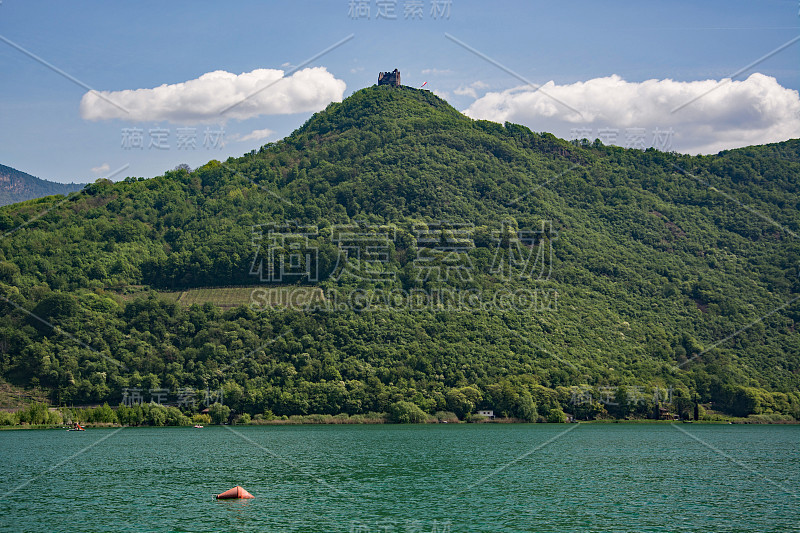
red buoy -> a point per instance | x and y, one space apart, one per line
234 494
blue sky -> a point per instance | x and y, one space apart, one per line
599 57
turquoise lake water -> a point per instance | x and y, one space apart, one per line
443 478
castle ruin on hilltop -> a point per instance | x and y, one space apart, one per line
389 78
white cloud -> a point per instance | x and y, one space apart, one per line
436 71
466 91
255 135
471 89
202 99
726 114
102 169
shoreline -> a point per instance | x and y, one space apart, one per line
741 422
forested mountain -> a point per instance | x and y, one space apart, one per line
16 186
465 264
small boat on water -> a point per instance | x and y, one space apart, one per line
198 426
76 427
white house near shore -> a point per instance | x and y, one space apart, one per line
487 413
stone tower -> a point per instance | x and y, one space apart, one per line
389 78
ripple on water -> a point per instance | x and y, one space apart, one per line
405 478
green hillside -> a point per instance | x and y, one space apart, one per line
464 265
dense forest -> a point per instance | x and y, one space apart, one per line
464 265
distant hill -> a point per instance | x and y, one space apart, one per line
17 186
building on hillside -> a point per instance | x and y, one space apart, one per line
665 414
389 78
488 413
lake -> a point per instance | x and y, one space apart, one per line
389 478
